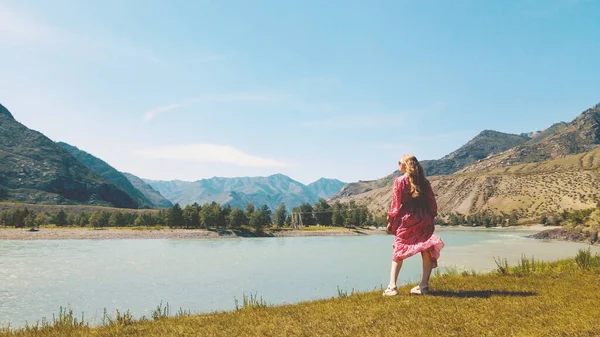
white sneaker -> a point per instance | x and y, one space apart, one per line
390 292
417 290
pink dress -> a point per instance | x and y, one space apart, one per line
412 222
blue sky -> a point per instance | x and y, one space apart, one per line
339 89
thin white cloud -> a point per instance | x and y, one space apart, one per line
153 112
209 153
246 97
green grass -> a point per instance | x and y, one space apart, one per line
531 299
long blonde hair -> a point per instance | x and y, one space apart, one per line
416 176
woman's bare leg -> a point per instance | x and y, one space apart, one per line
396 265
427 267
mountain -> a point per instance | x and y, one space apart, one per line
538 136
108 172
237 192
486 143
325 188
555 169
34 169
530 190
151 194
581 135
4 112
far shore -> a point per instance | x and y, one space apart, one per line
168 233
536 227
74 233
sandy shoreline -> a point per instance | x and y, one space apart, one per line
115 233
529 228
125 233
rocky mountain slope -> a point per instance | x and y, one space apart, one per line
581 135
555 169
530 190
155 198
109 173
325 188
34 169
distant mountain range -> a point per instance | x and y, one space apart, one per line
238 192
531 174
325 188
151 194
34 169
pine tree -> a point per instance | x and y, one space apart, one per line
323 213
280 215
237 218
306 210
265 215
175 216
191 216
338 215
249 210
61 218
30 221
96 219
41 219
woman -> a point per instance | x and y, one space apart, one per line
410 219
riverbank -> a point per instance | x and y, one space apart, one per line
568 234
114 233
528 228
531 299
168 233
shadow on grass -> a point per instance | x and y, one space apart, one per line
481 293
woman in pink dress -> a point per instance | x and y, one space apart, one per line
410 219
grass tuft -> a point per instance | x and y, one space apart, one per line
250 302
